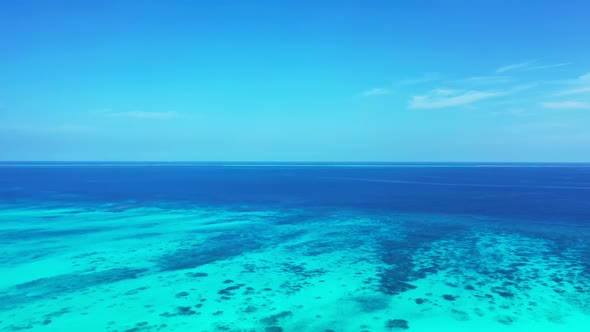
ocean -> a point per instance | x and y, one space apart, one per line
131 247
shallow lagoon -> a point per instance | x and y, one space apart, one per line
301 250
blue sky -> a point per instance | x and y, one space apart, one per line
295 80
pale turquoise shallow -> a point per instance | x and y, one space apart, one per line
126 268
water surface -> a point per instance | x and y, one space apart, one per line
294 247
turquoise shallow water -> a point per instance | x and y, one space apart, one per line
278 258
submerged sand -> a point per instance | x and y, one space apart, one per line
133 268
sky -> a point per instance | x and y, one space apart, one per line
295 80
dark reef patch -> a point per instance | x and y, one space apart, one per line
181 311
214 249
273 329
196 274
301 271
460 315
63 284
250 309
145 327
449 297
135 291
28 255
13 236
505 294
185 311
274 319
330 242
391 281
372 303
398 255
506 320
229 291
181 295
397 324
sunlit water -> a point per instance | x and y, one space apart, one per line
212 247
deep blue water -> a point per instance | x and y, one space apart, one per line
557 192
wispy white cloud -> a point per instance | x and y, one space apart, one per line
145 115
580 85
442 98
528 66
539 67
484 80
514 66
376 92
576 91
568 104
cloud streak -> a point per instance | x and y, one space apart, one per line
528 66
582 84
443 98
576 91
484 80
514 66
569 104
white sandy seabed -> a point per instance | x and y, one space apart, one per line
132 268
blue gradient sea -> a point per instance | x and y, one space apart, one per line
327 247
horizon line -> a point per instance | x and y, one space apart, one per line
287 162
